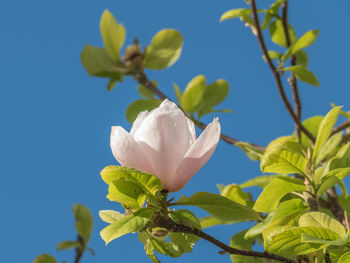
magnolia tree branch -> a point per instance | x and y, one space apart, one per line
78 250
171 226
343 126
276 74
292 80
142 79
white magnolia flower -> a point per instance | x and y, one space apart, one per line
163 142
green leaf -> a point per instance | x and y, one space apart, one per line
239 241
259 228
286 214
112 82
310 239
193 94
306 40
303 74
274 55
332 178
209 221
286 241
312 124
277 33
214 94
98 63
145 92
345 258
165 248
128 224
319 219
165 49
341 159
252 152
44 258
140 105
325 130
113 35
83 221
128 193
220 207
261 181
184 242
148 181
275 190
110 216
178 93
329 148
68 245
235 193
235 13
302 58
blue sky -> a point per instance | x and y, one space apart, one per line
55 119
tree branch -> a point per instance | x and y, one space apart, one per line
343 126
142 79
171 226
276 74
78 250
292 80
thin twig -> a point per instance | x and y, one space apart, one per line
343 126
327 258
170 225
78 250
293 80
276 74
142 79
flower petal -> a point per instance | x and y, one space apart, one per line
140 117
126 150
165 136
196 156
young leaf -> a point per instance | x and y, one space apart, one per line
277 33
332 178
303 74
83 221
44 258
286 241
184 242
312 124
220 207
325 130
193 94
165 49
113 35
128 224
214 94
235 193
306 40
302 58
319 219
252 152
235 13
341 159
345 258
178 94
239 241
165 248
110 216
209 221
97 63
275 190
259 228
150 182
67 245
261 181
329 148
141 105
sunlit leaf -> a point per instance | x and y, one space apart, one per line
193 94
278 35
67 245
83 221
165 49
141 105
44 258
304 41
303 74
110 216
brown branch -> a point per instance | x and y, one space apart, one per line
343 126
142 79
79 251
292 80
171 226
276 74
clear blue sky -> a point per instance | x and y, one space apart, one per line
55 119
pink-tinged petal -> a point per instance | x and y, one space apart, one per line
196 156
126 150
192 130
140 117
165 137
